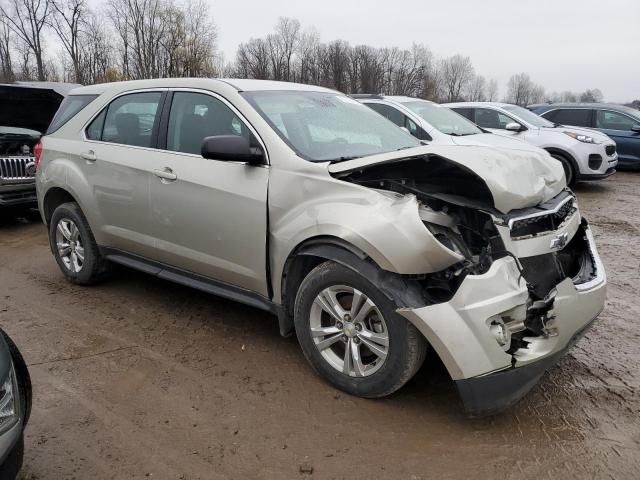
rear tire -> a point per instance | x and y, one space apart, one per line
74 246
352 336
569 171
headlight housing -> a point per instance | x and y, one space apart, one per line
582 138
8 402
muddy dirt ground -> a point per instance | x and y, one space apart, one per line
138 378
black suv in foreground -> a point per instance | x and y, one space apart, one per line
15 407
26 110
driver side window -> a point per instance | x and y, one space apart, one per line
195 116
487 118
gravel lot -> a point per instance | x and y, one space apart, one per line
140 378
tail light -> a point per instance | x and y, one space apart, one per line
37 153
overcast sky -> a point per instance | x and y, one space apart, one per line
562 44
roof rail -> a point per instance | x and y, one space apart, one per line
378 96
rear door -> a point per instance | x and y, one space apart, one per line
576 117
117 161
209 217
618 126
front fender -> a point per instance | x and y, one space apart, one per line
385 226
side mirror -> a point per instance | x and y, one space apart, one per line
636 128
513 127
231 148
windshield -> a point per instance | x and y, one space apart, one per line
528 116
18 131
443 119
327 126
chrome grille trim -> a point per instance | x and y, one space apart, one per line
15 168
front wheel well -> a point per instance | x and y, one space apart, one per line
53 199
404 290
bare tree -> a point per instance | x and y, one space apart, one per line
6 63
68 21
200 42
492 90
252 59
27 19
457 71
97 53
288 37
591 96
519 89
476 91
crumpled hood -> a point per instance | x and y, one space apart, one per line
516 178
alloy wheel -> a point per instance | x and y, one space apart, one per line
349 331
69 244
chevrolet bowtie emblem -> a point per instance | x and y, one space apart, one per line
560 241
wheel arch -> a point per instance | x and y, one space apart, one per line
314 251
567 155
55 197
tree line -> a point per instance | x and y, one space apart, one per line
136 39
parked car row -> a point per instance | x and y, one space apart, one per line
584 155
369 245
620 123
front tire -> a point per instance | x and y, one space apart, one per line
351 334
74 246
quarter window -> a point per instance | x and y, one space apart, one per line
614 121
128 120
69 107
195 116
578 117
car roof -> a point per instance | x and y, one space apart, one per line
478 104
392 98
609 106
241 85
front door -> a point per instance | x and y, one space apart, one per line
209 217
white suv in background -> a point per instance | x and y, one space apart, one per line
585 154
434 123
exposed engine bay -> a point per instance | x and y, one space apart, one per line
457 207
16 145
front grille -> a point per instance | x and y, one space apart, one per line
595 161
540 222
575 261
610 149
13 168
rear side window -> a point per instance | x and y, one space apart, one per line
128 120
578 117
69 107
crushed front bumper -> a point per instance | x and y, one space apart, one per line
489 378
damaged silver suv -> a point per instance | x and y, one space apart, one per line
300 201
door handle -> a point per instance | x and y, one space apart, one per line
89 156
166 174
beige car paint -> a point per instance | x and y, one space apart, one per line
516 178
200 231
